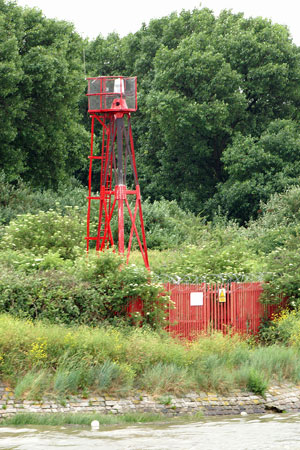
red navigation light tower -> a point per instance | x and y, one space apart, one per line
111 100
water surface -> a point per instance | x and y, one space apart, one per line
236 433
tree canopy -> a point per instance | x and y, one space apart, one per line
209 88
218 119
42 80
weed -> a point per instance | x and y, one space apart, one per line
165 400
33 384
63 402
256 382
106 374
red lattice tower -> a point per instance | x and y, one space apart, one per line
111 101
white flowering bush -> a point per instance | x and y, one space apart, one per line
39 233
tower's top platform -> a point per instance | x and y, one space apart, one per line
112 94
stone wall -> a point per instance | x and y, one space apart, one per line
278 398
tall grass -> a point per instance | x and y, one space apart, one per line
57 419
166 378
33 384
282 362
61 360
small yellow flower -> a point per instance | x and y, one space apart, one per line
38 351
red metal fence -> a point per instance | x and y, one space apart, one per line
198 308
233 307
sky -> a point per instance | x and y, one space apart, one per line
102 17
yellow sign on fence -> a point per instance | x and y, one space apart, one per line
222 295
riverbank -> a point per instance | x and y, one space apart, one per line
284 398
39 360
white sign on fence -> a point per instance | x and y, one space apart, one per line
196 298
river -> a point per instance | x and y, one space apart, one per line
269 431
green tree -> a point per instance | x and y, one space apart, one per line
43 88
204 84
268 62
259 167
193 108
105 56
12 104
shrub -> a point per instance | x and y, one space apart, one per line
45 231
210 262
279 328
278 221
26 261
256 382
21 198
281 209
252 380
285 328
98 290
169 226
166 224
55 296
283 278
119 284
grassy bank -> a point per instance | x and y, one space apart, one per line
55 360
59 419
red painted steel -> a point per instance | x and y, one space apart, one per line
188 321
241 313
111 99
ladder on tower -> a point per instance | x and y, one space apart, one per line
104 237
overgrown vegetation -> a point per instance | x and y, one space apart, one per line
39 359
217 140
90 291
49 279
44 275
284 328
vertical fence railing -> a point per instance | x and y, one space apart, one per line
186 320
248 310
240 310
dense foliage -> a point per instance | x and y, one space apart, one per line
216 96
42 250
94 291
41 82
283 328
218 122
